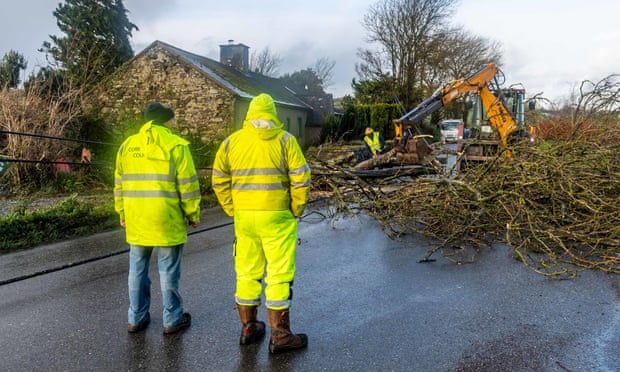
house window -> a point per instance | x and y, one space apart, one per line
288 124
300 127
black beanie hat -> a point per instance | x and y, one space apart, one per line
158 113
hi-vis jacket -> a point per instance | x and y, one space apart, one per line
156 188
374 143
245 179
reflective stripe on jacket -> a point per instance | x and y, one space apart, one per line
261 169
156 188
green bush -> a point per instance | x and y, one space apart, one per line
379 116
329 129
69 219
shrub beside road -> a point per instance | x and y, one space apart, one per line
27 224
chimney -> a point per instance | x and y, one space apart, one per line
235 56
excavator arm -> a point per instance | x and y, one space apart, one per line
478 82
499 116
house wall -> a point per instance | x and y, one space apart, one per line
204 111
322 106
293 120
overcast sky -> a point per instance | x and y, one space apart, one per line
549 46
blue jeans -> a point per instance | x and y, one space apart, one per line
139 283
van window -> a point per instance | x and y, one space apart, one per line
447 125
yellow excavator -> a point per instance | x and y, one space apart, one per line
411 149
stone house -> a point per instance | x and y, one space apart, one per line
210 98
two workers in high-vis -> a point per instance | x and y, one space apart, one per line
261 179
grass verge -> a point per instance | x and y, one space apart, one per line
68 219
72 217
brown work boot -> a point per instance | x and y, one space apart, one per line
282 339
253 330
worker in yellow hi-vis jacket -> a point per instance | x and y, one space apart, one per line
262 180
374 141
156 194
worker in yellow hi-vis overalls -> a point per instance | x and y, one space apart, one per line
262 180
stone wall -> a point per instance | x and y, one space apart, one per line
204 111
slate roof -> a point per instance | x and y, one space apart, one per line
245 85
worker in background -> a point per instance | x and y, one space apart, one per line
262 180
374 141
156 194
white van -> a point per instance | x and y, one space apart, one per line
451 130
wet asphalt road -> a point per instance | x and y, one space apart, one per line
363 299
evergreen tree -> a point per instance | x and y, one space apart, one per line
304 82
11 66
96 39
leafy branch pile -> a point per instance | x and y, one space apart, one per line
557 206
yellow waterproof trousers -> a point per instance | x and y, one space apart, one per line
265 237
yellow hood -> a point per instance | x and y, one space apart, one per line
263 107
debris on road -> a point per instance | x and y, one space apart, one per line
558 206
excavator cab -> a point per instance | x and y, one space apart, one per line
496 117
479 125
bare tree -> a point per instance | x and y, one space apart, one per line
406 32
372 65
265 62
597 109
460 53
323 68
